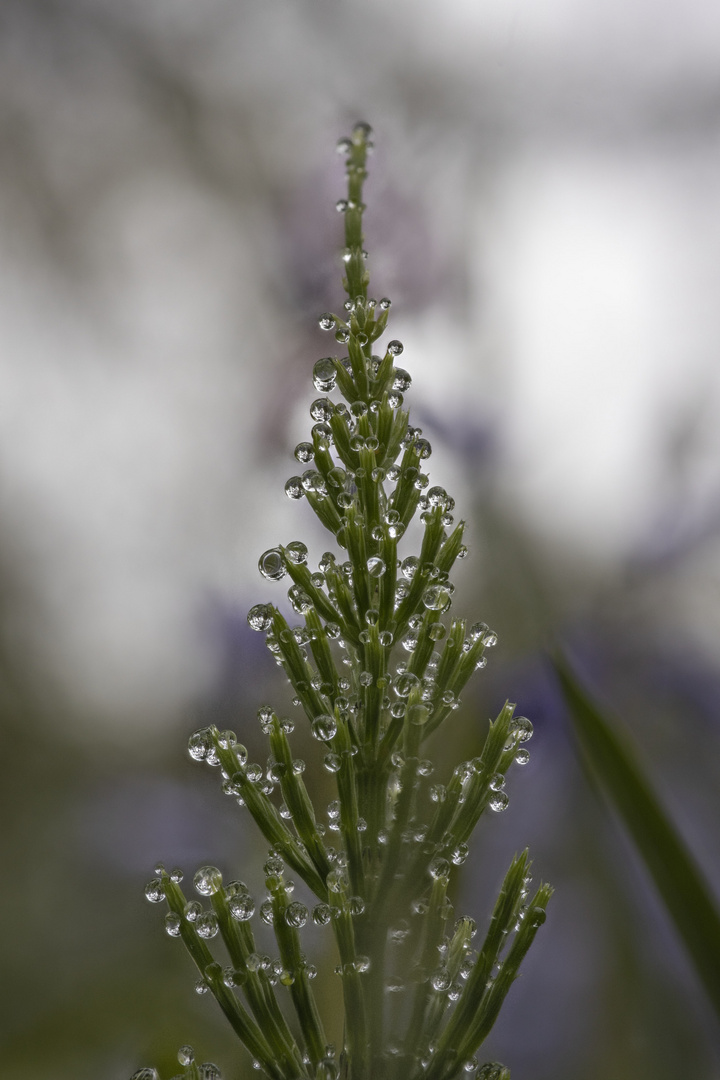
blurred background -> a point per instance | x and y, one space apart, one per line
544 212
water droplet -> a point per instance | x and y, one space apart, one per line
208 1071
235 888
441 981
459 854
492 1070
385 303
423 449
301 602
207 880
324 376
356 904
199 744
265 716
436 598
523 756
294 488
337 880
304 452
342 336
536 916
438 793
521 728
297 552
399 932
207 924
186 1055
332 762
437 496
296 914
323 434
436 631
155 891
260 617
321 914
192 909
328 1069
274 864
242 907
266 912
326 321
404 683
418 714
324 727
146 1074
490 639
402 380
385 638
341 206
272 565
395 347
276 771
322 409
173 922
498 801
336 477
409 566
375 566
362 131
440 869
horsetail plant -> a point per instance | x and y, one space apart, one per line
376 668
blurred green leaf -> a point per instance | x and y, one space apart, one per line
614 766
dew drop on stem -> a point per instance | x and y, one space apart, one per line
498 801
272 565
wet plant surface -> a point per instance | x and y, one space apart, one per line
376 666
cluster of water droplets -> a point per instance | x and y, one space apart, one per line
371 602
191 1068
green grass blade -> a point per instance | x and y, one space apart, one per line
614 765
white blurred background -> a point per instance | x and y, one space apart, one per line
544 212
